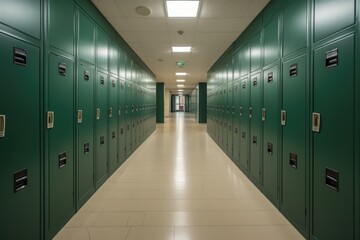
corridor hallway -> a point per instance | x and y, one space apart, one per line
178 185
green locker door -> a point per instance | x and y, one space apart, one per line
133 117
128 115
85 130
61 143
343 15
237 134
13 14
255 128
20 200
101 136
122 123
271 42
255 53
271 121
294 146
230 116
218 117
333 144
102 49
61 25
112 125
245 60
244 124
86 38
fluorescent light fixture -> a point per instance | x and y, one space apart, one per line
180 90
180 80
182 8
181 49
180 85
181 74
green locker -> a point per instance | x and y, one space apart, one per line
122 123
113 58
255 53
85 132
245 60
133 118
122 63
271 120
236 62
224 130
60 128
102 49
255 128
295 27
230 116
236 124
294 146
112 125
22 15
244 124
342 16
333 140
128 117
20 169
61 25
101 136
86 38
271 42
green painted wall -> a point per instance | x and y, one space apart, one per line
160 102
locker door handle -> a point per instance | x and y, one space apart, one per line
316 121
263 114
50 119
283 117
98 113
79 116
250 112
110 112
86 75
119 111
2 125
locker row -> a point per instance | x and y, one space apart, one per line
76 102
287 116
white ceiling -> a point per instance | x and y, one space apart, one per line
219 24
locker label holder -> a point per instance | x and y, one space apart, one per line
50 119
316 121
80 116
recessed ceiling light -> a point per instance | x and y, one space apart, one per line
181 49
182 8
180 90
143 11
180 80
180 85
181 74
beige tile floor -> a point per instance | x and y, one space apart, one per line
178 185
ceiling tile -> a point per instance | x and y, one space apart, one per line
217 24
224 8
145 25
127 7
108 8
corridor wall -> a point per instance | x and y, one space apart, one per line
292 82
76 103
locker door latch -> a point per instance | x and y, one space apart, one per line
86 75
97 113
283 117
263 114
79 116
110 112
293 70
316 121
50 119
270 77
2 125
332 179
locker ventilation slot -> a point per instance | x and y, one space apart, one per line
332 179
270 148
113 135
122 131
113 83
293 70
86 75
62 160
270 78
62 69
332 58
236 130
102 140
243 135
255 82
244 85
20 56
20 180
254 139
102 80
293 160
86 148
